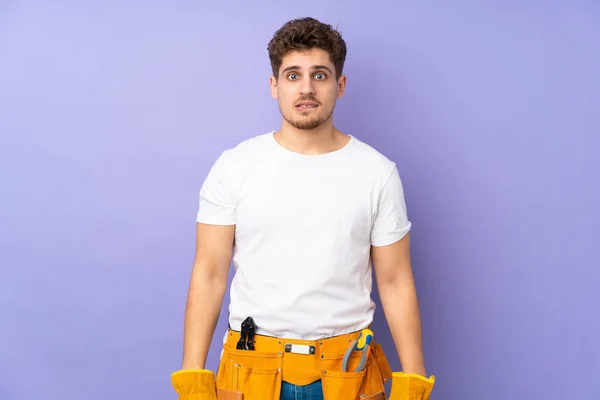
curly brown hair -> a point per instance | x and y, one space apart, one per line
304 34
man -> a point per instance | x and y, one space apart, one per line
302 212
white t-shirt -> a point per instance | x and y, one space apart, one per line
305 225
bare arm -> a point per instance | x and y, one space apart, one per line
398 296
214 244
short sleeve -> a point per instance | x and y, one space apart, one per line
217 200
391 221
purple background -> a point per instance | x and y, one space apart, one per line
111 115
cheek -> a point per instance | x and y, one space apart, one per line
332 94
283 93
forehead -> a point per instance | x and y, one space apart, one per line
306 59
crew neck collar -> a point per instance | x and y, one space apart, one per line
296 154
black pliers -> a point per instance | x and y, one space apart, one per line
247 333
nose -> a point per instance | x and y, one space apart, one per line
307 87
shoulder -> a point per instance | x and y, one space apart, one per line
372 161
240 155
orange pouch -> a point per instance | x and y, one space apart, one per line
257 374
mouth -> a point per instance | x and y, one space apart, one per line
306 105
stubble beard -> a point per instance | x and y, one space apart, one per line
306 124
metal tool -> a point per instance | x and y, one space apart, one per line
251 332
363 344
247 333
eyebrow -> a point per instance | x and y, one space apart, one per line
314 67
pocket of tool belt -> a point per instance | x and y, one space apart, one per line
365 384
248 375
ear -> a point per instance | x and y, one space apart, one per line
341 86
273 85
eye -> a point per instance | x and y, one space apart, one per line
320 76
292 76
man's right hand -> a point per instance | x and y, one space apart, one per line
194 384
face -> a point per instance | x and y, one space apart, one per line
306 88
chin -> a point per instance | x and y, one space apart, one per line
306 124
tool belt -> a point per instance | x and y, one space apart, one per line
255 371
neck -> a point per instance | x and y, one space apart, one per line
323 139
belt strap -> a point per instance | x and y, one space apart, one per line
302 360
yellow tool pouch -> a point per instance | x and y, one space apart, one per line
257 374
